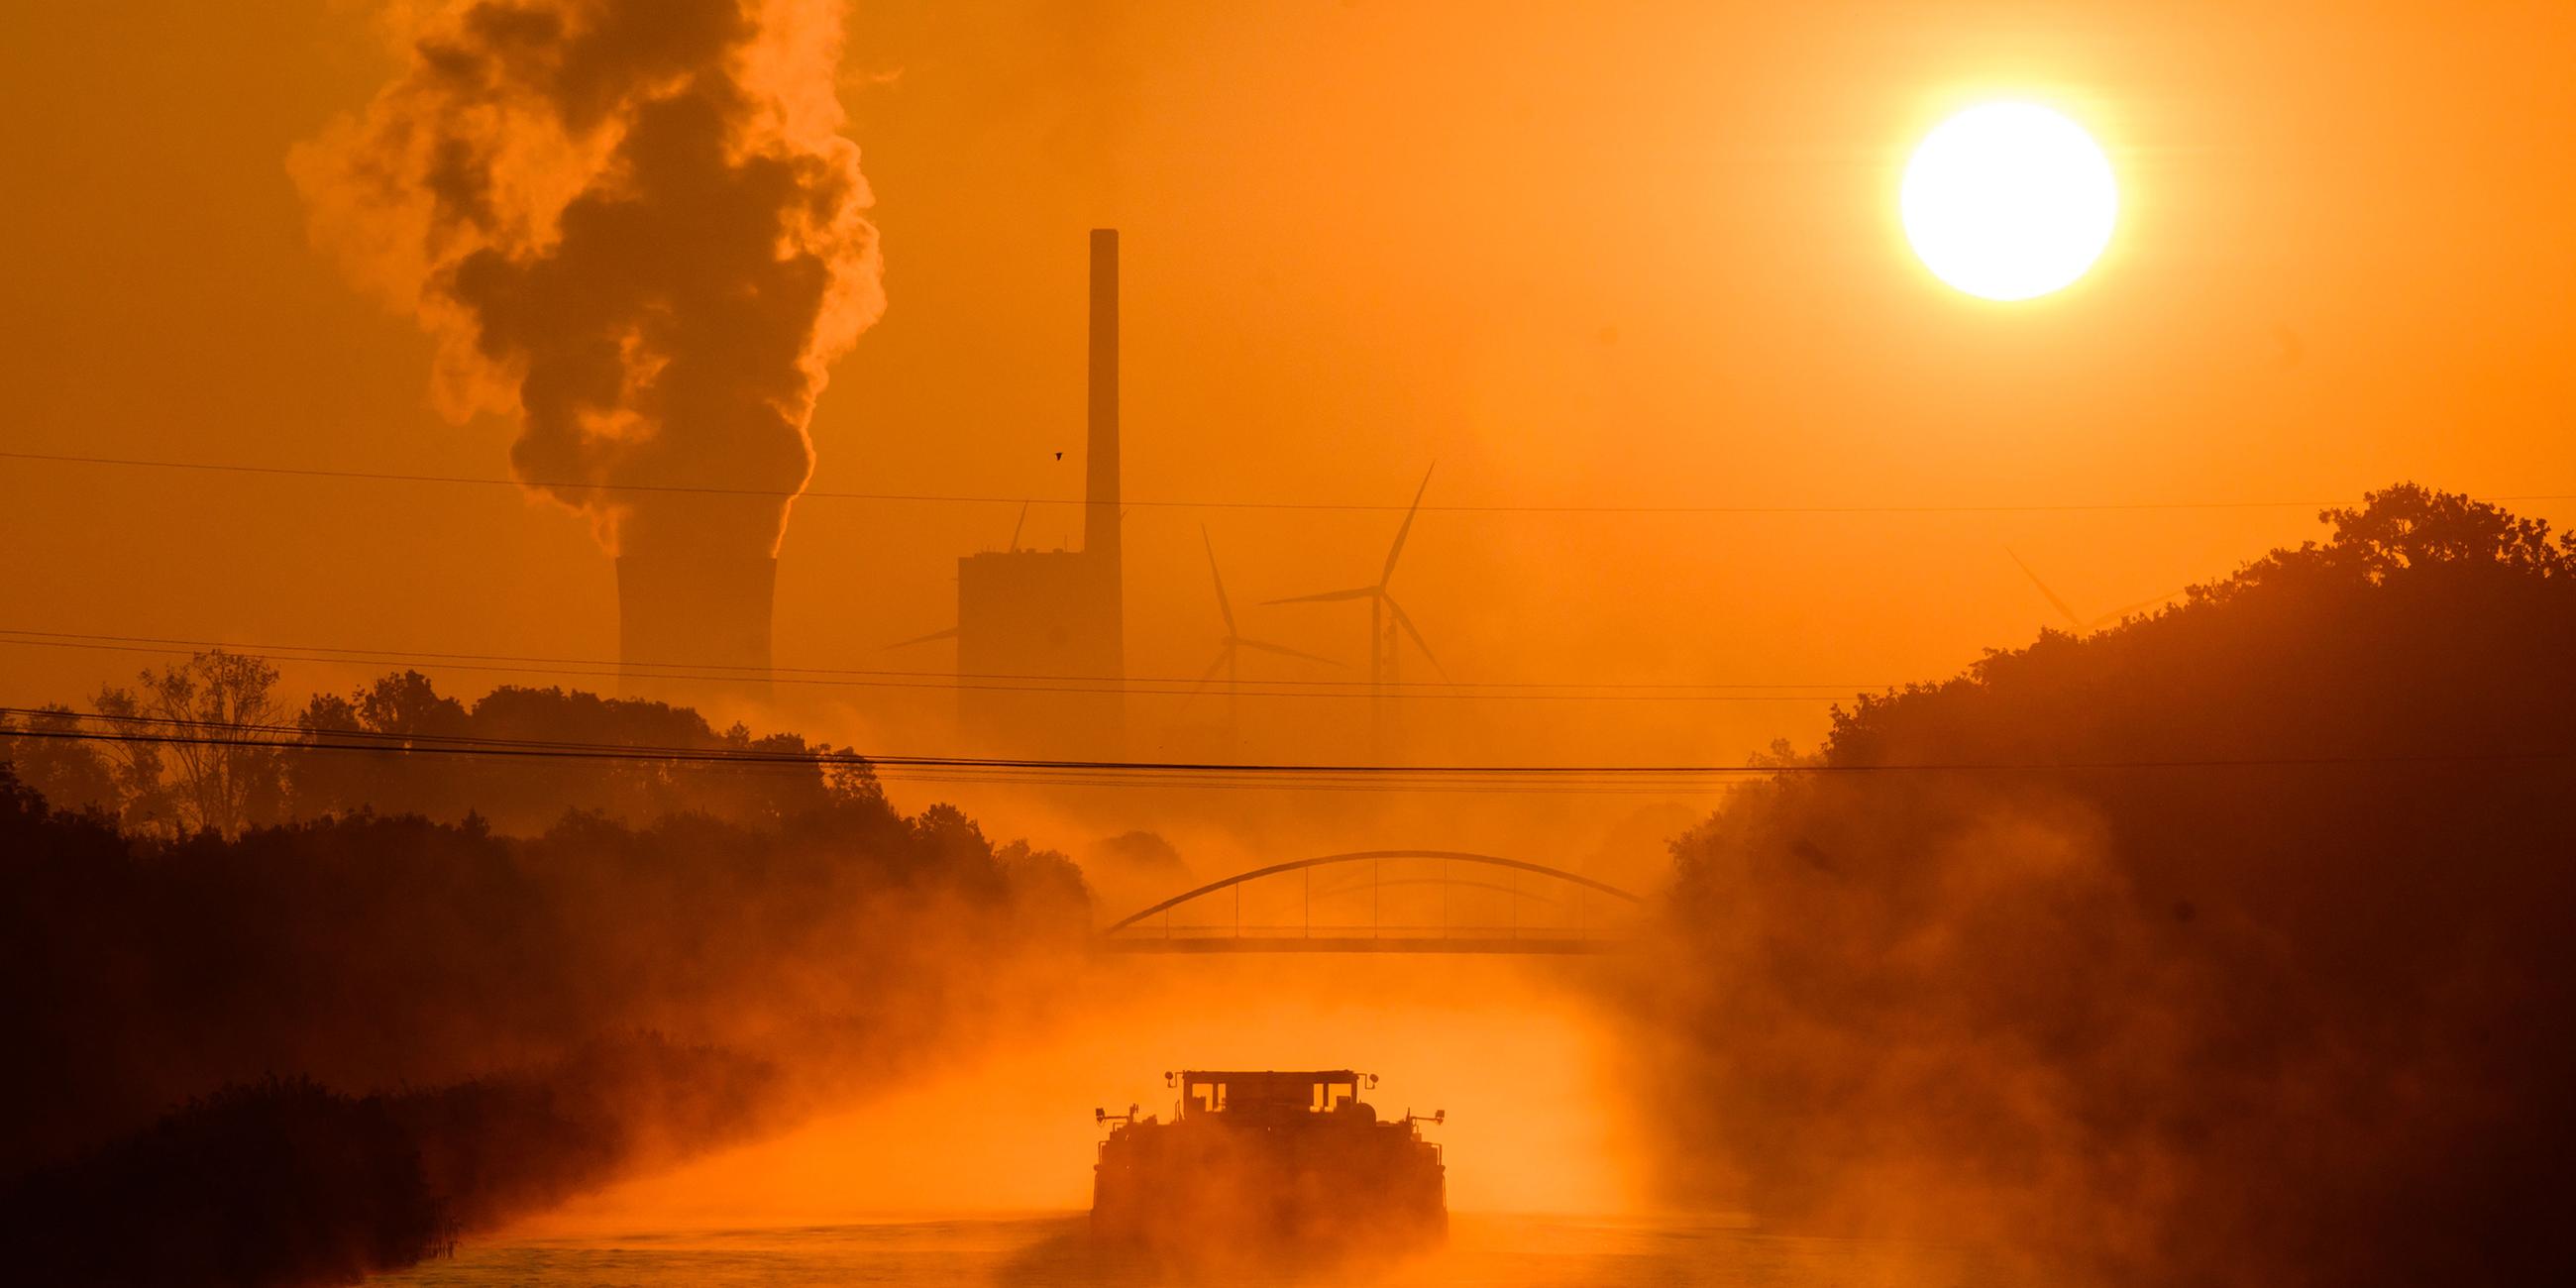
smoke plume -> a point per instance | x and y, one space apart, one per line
635 224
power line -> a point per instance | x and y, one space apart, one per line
298 737
1007 682
190 732
930 498
1003 776
1318 778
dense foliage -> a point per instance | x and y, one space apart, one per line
2226 947
208 744
315 1048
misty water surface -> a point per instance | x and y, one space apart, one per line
1519 1252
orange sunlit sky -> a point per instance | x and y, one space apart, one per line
1731 390
1612 255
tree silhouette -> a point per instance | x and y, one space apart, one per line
143 799
205 1016
67 772
219 701
2224 946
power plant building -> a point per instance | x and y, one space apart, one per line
1041 636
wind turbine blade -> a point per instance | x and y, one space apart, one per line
1223 656
949 634
1223 605
1330 596
2116 614
1404 529
1285 651
2053 600
1405 620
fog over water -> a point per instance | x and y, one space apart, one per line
978 1173
1543 1112
1501 1251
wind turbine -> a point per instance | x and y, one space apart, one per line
2078 621
1386 618
949 634
1231 646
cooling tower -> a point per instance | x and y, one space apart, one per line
695 581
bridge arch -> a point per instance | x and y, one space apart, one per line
1120 935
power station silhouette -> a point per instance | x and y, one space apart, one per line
1041 650
1056 615
1041 634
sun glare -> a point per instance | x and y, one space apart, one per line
2007 201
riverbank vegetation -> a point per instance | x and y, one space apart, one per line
304 1049
2226 946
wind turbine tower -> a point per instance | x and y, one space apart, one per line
1229 648
1389 626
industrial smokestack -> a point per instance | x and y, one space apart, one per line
1056 613
1100 520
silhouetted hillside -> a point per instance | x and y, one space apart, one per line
284 1182
362 1033
2223 947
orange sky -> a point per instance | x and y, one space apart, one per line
1602 254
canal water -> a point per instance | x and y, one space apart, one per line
1048 1250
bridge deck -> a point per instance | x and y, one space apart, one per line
1536 946
1138 931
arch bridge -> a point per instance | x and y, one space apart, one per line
1387 901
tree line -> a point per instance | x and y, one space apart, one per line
189 747
2227 946
292 1017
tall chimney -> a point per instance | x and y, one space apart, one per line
1100 518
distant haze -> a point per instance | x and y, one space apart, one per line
1642 256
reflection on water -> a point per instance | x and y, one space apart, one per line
1518 1252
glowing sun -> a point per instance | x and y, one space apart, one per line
2008 201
